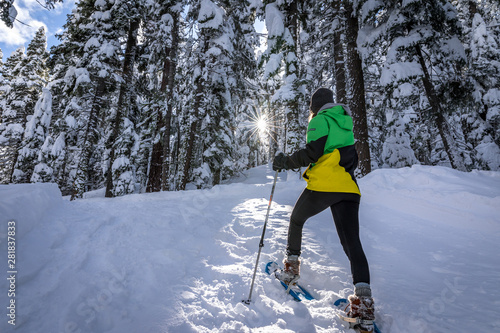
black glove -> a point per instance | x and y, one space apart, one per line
280 162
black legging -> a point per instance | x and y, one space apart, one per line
344 207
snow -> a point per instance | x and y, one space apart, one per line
12 13
274 21
120 162
100 3
399 71
59 145
370 6
408 2
481 39
287 91
70 121
29 203
273 65
225 43
183 261
40 168
492 99
92 42
214 51
210 16
14 130
405 90
454 48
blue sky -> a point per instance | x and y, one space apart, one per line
34 15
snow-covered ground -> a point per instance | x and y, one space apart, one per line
183 261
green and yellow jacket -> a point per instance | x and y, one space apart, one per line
329 154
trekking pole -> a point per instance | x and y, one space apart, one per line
261 244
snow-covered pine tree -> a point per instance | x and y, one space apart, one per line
356 83
329 53
54 152
120 179
4 157
12 105
322 53
378 97
70 81
215 159
162 38
93 27
283 57
480 116
396 151
209 117
76 107
3 80
37 140
282 60
25 78
423 45
394 117
338 29
250 149
34 75
193 92
268 85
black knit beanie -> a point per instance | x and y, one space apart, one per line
321 97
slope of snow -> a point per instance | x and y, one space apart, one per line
183 261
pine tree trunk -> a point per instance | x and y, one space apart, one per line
192 135
437 114
172 65
154 177
273 135
14 152
198 96
128 64
472 8
358 102
293 136
160 159
89 141
338 56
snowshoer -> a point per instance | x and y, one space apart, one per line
331 159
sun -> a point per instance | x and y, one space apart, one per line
261 124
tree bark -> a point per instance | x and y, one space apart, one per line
172 65
160 157
200 83
293 136
89 140
154 177
192 135
338 56
128 64
437 113
358 101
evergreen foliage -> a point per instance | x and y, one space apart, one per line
167 95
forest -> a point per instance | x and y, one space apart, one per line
166 95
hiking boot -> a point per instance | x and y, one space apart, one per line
362 307
290 272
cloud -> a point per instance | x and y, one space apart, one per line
22 33
64 7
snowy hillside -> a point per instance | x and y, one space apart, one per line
183 261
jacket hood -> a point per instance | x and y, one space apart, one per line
340 113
